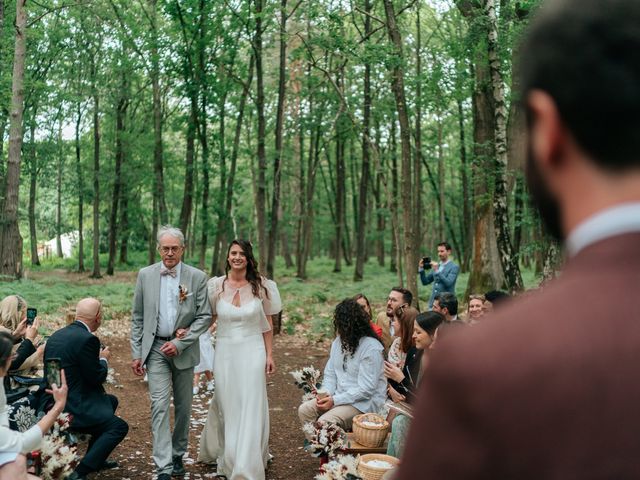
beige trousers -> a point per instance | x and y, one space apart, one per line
341 414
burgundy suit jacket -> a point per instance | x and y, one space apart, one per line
546 388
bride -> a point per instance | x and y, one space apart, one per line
236 434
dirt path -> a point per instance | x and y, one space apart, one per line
134 453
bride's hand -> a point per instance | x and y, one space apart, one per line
271 366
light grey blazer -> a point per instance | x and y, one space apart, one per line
193 313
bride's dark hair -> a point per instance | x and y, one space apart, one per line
253 275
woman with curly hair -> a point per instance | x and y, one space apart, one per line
353 381
236 435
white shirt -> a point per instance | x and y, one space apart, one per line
617 220
168 302
362 383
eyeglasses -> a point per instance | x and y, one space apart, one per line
170 249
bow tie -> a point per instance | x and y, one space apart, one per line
168 271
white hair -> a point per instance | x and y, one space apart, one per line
172 232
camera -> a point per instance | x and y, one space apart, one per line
31 315
426 262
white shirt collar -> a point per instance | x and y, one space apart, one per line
85 325
616 220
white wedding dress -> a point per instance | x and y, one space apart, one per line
236 434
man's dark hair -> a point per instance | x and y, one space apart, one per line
407 296
449 301
496 296
585 54
445 245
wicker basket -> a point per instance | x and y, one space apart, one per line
375 473
369 435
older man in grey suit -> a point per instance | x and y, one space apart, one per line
169 296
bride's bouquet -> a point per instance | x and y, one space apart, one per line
308 379
344 467
326 439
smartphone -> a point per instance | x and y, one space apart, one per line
426 262
52 369
31 315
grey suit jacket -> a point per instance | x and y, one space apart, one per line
193 313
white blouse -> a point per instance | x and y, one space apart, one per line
250 317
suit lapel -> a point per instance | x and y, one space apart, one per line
154 286
185 280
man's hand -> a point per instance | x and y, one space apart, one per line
169 349
105 353
434 265
324 404
137 368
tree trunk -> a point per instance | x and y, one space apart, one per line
159 204
187 197
10 239
121 112
340 179
261 191
222 232
363 195
508 258
417 157
485 273
397 85
277 161
466 211
59 192
80 186
96 175
33 184
441 188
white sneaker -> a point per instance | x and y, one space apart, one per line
211 385
146 378
196 390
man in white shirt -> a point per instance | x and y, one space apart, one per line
548 387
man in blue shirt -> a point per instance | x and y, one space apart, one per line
443 274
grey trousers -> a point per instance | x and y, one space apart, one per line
164 378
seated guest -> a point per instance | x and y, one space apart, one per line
406 380
493 298
397 297
92 408
475 308
13 319
447 304
353 381
402 323
15 445
363 301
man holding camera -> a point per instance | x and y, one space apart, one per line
85 364
442 274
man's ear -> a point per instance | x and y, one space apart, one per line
548 135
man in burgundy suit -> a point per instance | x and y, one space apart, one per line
548 388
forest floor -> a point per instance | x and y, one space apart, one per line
290 461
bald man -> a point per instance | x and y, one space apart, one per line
85 364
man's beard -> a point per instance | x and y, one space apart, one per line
542 199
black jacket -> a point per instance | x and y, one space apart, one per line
78 349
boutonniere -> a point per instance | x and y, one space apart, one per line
183 293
